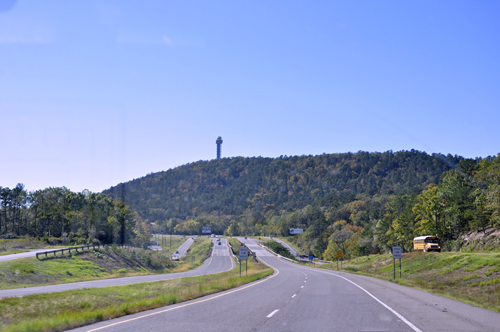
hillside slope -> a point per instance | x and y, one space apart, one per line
236 186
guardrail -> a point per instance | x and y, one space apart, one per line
93 246
209 252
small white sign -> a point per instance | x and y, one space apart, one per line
396 252
243 253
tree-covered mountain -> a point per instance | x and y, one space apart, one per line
233 187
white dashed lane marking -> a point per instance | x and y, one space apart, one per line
272 313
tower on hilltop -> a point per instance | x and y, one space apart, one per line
219 143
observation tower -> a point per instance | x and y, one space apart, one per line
219 143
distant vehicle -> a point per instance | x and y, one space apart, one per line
426 243
213 235
177 252
219 243
245 237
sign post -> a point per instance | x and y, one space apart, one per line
339 255
243 251
396 253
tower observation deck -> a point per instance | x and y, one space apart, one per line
219 143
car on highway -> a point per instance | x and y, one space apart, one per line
177 252
219 243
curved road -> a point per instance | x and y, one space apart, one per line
298 298
23 254
219 261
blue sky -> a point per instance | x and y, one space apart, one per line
94 93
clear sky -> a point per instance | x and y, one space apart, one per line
94 93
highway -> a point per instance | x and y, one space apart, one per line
181 251
219 261
23 254
298 298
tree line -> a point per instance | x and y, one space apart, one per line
57 212
239 186
359 203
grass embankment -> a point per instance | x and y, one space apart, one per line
472 278
169 246
235 243
194 255
4 252
279 249
107 263
69 309
291 244
23 244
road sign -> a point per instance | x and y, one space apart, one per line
339 255
243 253
206 229
396 252
296 230
311 257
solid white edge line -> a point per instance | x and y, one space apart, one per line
416 329
301 286
272 313
294 295
397 314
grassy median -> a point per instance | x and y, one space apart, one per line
194 255
469 277
70 309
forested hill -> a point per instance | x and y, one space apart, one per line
236 186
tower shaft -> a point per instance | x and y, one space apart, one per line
219 143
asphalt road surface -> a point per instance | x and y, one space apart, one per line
181 251
23 254
219 261
298 298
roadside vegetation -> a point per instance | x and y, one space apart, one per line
297 248
4 252
235 244
468 277
169 244
70 309
104 263
195 255
279 249
23 244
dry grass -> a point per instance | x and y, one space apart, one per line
70 309
472 278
